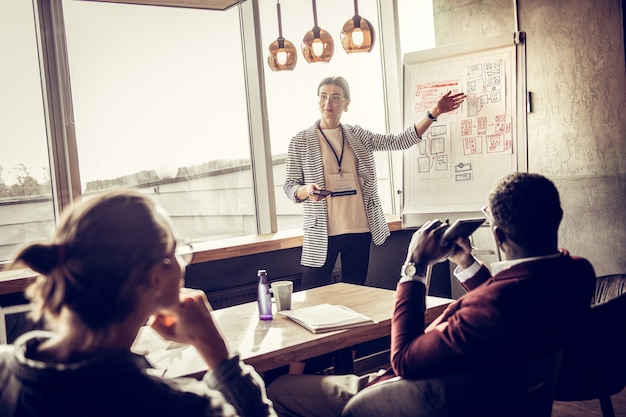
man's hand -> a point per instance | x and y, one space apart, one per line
462 253
425 247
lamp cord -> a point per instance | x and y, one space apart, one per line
280 20
314 14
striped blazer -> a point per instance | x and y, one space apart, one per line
304 166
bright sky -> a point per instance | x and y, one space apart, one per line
165 105
21 117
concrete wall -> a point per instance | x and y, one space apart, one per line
577 129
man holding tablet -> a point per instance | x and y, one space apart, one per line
534 303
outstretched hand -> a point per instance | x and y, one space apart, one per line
448 102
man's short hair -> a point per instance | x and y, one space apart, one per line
526 207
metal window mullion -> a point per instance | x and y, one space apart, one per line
57 102
261 154
392 87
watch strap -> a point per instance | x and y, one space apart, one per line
414 278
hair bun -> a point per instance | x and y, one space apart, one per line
60 253
42 257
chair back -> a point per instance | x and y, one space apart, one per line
521 390
19 324
608 288
596 366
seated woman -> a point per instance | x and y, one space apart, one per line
113 266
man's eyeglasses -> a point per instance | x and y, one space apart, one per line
487 213
184 249
334 99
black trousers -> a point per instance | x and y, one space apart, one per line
355 254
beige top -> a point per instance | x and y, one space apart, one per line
346 214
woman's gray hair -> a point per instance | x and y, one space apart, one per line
338 81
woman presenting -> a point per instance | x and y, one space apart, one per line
338 158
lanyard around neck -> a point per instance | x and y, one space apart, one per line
343 143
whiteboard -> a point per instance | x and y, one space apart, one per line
450 173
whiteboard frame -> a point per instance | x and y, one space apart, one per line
413 219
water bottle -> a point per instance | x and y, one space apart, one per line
264 296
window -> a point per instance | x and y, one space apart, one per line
170 101
416 25
160 103
26 208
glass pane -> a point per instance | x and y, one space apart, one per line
416 36
160 105
292 95
26 207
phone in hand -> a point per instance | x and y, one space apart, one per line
322 192
461 227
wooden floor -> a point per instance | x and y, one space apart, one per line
589 408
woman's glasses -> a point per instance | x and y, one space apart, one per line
184 249
334 99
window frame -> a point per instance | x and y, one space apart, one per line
59 118
57 103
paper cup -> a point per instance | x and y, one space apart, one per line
282 294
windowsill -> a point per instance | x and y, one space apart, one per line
17 280
250 245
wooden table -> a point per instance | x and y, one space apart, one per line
271 344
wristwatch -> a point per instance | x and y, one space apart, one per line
410 272
408 269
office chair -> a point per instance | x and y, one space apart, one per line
596 367
7 335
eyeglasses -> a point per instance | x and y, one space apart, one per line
487 213
184 249
334 99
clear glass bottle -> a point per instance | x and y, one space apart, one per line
264 296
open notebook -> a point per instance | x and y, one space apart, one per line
168 359
326 317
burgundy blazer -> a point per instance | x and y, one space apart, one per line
525 310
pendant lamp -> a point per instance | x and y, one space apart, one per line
317 44
283 54
357 34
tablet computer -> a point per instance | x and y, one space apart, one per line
461 227
322 192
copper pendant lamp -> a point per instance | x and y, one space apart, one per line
283 55
357 34
317 44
